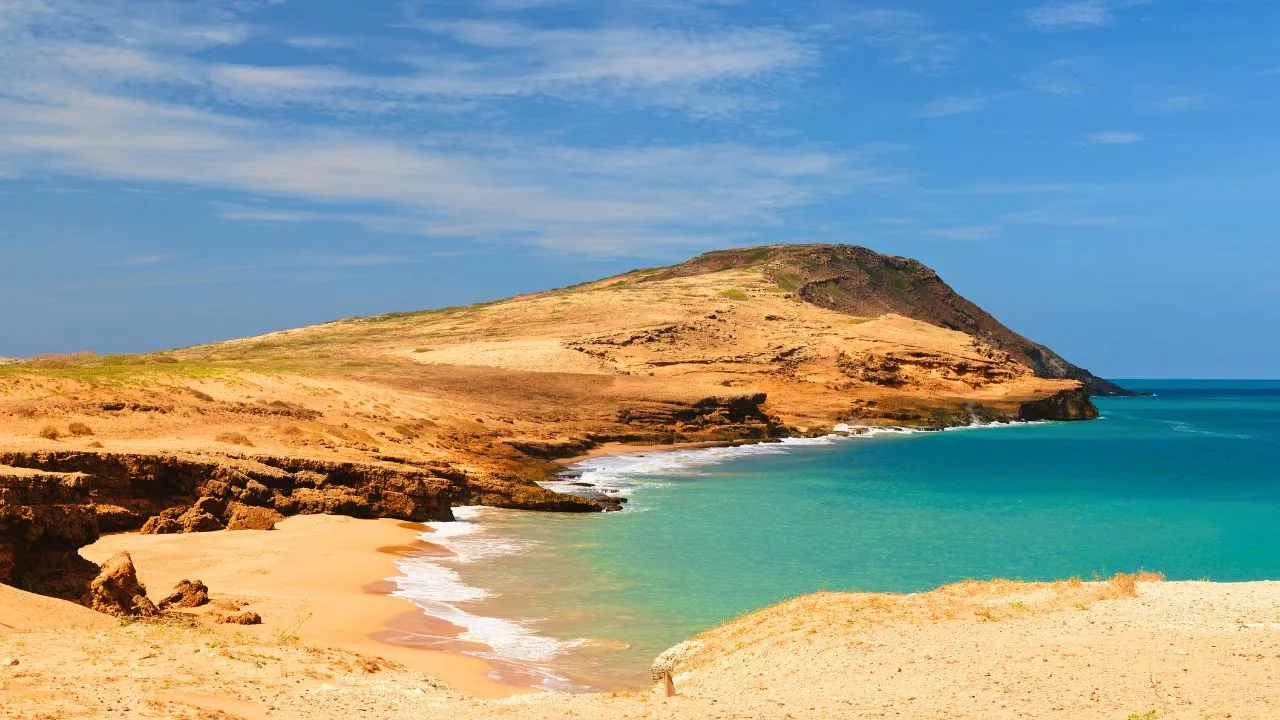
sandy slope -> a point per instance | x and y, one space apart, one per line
975 650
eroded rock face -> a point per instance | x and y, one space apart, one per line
187 594
116 590
44 519
53 503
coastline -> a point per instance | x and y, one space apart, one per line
320 578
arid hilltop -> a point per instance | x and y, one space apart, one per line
408 414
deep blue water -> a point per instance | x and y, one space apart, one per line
1186 483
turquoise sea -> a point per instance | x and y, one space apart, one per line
1186 482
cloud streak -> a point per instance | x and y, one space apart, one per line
1112 137
1077 14
954 105
125 91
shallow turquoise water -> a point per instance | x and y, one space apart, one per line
1187 483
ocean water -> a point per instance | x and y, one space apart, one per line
1186 483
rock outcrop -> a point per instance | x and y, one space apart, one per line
53 503
44 519
116 590
1066 405
187 594
249 517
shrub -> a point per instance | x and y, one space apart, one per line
234 438
79 429
49 432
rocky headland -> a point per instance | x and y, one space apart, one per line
406 415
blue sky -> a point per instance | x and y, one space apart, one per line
1102 175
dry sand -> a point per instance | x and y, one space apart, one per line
316 576
998 650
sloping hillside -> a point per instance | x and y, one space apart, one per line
404 415
861 282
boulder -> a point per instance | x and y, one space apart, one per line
248 517
255 493
160 525
197 520
116 590
187 594
210 506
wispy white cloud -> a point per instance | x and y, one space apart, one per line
953 105
1077 14
1064 218
121 91
1060 77
1172 99
965 232
1112 137
910 38
702 73
240 212
318 42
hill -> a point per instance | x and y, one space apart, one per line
408 414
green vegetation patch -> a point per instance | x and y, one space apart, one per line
733 294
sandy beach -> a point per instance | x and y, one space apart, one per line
320 577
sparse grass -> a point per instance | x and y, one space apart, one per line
1148 715
289 636
234 438
1126 584
733 294
788 281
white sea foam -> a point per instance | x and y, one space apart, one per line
434 585
625 473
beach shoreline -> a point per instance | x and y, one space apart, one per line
324 579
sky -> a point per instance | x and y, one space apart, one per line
1101 175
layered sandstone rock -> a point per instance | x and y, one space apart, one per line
116 590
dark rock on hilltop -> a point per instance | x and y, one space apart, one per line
862 282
